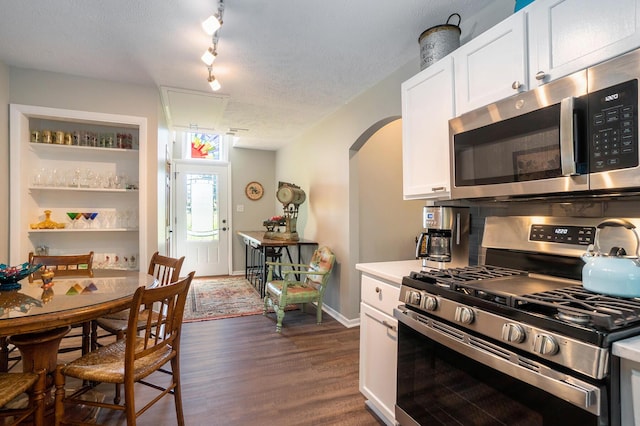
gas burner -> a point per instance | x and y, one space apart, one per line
581 318
448 278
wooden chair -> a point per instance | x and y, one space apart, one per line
309 288
77 265
12 385
134 358
167 271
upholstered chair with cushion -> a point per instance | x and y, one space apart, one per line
300 284
12 385
133 359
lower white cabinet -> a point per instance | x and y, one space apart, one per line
379 346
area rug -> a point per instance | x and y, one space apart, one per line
226 297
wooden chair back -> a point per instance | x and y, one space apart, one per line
165 269
161 333
63 265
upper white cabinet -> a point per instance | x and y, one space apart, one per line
492 66
570 35
93 164
427 106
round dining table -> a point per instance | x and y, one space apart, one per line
36 319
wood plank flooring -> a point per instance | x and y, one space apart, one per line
239 371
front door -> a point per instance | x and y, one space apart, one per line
201 228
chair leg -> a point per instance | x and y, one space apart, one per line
37 398
280 317
266 304
4 354
116 398
319 311
177 391
59 395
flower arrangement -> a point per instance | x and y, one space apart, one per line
274 221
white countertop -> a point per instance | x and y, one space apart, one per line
391 271
628 349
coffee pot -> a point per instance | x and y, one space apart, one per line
434 245
445 240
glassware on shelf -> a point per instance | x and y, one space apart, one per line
47 223
72 217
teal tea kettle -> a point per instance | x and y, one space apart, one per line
614 273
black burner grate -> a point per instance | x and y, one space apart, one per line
574 303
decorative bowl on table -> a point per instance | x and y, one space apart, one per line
10 275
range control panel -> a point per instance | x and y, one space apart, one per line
581 235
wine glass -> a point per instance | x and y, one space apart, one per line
72 218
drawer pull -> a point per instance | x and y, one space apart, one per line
389 326
378 289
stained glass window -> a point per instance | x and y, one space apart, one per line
205 145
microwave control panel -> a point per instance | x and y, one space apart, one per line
614 127
575 235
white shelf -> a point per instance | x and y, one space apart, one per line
50 147
65 230
79 189
29 201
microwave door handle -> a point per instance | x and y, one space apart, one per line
567 137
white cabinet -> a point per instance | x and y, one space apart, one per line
106 182
379 346
570 35
492 66
427 106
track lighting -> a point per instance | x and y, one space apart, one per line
211 24
209 56
213 82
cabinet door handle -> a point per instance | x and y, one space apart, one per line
516 85
439 188
378 289
389 326
541 75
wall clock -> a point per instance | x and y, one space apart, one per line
254 191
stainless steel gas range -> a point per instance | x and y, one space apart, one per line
516 340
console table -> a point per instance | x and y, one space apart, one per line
258 250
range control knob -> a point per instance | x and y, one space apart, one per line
464 315
430 303
545 345
413 298
513 333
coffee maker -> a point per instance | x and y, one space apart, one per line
445 241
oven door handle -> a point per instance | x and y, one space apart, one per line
567 137
579 393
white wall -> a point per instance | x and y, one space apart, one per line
249 165
387 225
4 162
326 177
40 88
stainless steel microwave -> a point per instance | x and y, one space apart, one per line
575 134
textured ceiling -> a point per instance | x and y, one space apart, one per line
284 65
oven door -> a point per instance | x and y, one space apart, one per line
531 143
447 376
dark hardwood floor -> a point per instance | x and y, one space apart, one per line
239 371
